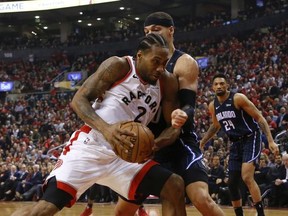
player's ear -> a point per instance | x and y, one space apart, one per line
171 30
139 54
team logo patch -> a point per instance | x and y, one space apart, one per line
86 140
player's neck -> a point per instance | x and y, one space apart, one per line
171 49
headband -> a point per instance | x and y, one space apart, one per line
158 21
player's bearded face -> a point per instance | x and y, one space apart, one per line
151 65
219 86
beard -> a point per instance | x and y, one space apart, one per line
220 93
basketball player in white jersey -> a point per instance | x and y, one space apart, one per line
125 89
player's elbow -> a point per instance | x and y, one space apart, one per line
73 103
76 101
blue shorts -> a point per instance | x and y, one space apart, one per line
184 160
246 149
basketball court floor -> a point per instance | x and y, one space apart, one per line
6 209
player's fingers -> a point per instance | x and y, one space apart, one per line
178 112
178 123
276 151
127 143
128 133
181 117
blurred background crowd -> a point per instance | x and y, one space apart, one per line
36 119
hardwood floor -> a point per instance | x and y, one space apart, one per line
6 209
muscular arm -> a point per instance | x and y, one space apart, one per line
213 129
109 72
242 102
186 71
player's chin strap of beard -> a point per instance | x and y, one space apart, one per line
158 21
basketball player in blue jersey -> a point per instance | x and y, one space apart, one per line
241 121
184 156
122 89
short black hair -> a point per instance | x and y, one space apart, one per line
219 75
151 39
159 18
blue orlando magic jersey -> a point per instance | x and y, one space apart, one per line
186 146
235 122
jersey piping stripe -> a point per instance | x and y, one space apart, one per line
138 178
69 189
194 159
85 129
254 147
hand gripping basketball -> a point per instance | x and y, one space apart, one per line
143 144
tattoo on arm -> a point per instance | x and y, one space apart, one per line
93 88
85 111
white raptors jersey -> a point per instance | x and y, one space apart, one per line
130 99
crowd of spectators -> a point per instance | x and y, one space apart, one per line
90 36
35 125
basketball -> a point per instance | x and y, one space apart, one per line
143 144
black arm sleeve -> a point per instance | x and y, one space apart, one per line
187 99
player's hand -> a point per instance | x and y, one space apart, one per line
117 136
178 118
201 146
218 181
274 148
278 182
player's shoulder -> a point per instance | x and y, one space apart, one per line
211 104
240 100
187 57
120 63
186 61
239 96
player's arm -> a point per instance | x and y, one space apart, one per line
108 73
242 102
187 72
169 104
213 129
169 95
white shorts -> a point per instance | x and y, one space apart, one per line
88 158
